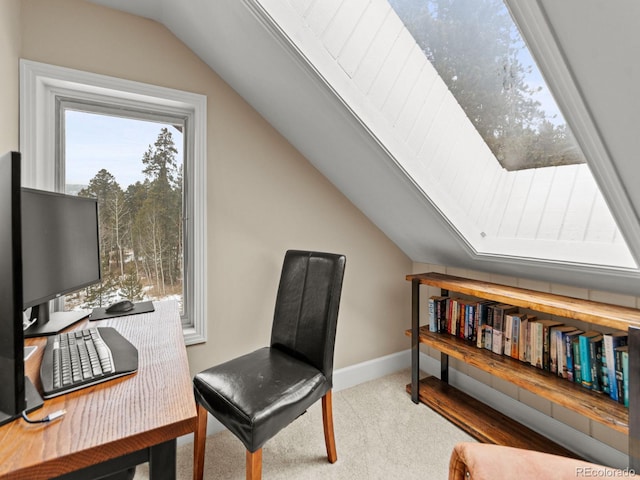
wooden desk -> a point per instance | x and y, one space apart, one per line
116 424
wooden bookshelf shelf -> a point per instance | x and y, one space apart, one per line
481 422
604 314
597 407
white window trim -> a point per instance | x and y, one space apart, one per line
40 87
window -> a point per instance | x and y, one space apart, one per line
134 168
77 133
478 52
511 186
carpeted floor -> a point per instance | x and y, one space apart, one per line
380 434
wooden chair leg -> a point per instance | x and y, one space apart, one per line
327 422
200 436
254 465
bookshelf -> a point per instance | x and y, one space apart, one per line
595 406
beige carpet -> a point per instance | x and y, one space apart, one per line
380 434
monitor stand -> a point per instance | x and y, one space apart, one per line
34 401
52 323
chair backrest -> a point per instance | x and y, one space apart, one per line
306 313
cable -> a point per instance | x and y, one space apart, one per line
49 418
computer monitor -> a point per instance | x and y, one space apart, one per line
17 393
60 255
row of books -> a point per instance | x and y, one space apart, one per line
597 361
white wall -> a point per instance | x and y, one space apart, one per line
9 55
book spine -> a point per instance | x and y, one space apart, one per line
532 343
508 334
480 336
515 337
602 368
464 321
607 345
595 365
536 344
577 364
451 319
497 345
560 357
585 362
490 309
488 337
619 375
432 315
441 309
477 326
482 312
546 347
539 345
522 341
471 322
625 377
553 352
609 355
611 342
568 352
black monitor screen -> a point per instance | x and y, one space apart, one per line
17 393
12 389
60 247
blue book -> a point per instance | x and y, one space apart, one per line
569 374
585 357
471 316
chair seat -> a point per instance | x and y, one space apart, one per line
258 394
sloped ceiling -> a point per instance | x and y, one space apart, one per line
598 42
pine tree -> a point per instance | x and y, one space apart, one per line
130 285
476 49
160 215
113 226
140 228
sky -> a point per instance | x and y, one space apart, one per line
535 80
94 141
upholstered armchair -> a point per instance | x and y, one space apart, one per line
481 461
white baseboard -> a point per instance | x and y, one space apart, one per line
584 445
353 375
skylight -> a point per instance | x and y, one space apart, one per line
542 202
477 50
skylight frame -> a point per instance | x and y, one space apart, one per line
539 36
288 23
483 240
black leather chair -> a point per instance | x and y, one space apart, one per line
258 394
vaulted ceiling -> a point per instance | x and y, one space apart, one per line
585 49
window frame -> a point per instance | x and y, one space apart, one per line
43 88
